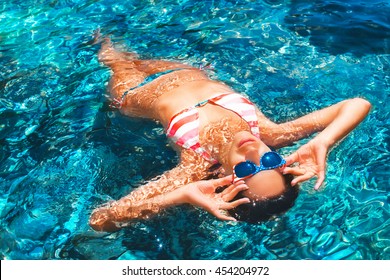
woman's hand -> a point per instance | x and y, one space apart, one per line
203 194
311 158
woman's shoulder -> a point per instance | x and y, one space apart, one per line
198 167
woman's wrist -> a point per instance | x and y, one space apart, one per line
176 197
324 140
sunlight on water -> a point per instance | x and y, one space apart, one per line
63 151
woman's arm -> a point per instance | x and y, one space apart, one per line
142 200
192 168
112 217
335 122
201 193
338 121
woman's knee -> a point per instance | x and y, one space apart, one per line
103 220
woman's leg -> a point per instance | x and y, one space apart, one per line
125 73
151 67
129 72
129 61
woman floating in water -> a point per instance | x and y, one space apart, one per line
217 132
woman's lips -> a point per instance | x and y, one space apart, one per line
245 141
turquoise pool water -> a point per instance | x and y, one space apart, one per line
64 151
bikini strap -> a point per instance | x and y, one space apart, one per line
241 106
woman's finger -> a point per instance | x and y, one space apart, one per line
234 204
238 181
223 217
222 181
228 196
212 184
320 180
296 171
302 178
221 214
228 190
291 158
233 186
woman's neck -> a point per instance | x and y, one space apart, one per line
217 137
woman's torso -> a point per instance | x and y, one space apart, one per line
189 94
172 93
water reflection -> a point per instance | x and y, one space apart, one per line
336 27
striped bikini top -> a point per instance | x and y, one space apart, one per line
183 128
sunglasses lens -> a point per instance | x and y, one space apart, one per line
271 159
244 169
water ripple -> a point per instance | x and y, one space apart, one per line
63 151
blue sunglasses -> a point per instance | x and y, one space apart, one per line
269 160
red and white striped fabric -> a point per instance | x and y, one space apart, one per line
183 128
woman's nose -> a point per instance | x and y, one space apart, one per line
253 156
